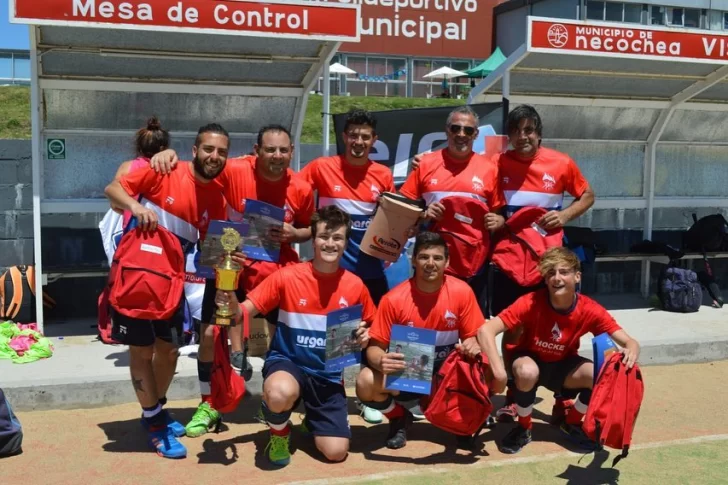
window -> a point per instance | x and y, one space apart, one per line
658 15
716 19
684 17
22 67
633 13
692 18
614 12
725 21
595 10
6 66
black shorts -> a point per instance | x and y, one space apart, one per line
552 375
327 412
142 333
209 307
505 291
479 285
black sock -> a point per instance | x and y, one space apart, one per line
162 401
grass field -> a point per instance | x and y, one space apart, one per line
15 110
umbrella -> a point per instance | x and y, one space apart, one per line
487 66
445 73
337 68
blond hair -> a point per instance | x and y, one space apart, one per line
556 256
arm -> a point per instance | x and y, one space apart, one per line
123 170
486 339
164 161
147 218
382 361
579 206
630 347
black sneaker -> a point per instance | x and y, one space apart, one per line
397 437
239 362
515 440
576 435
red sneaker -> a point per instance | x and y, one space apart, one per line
507 414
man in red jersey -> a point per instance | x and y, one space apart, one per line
266 177
460 187
182 202
552 321
433 300
295 367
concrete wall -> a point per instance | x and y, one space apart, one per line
16 203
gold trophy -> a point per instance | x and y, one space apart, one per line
227 275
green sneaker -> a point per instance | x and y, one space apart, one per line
371 415
278 452
303 428
204 419
260 417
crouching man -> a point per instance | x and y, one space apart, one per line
295 367
429 300
552 321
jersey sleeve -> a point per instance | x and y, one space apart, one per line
267 295
308 174
602 321
576 184
386 316
411 187
517 313
389 182
302 217
141 181
471 318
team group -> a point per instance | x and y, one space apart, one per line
331 202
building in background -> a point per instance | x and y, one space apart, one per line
14 67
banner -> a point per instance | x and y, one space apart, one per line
404 133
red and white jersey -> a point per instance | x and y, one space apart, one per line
241 183
305 297
439 176
185 206
553 335
540 181
452 311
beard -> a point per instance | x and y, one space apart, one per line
204 171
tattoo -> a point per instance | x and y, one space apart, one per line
137 384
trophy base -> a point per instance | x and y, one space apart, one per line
223 321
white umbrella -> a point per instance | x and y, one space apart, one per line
445 73
337 68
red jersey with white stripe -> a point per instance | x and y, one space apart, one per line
540 181
452 311
439 175
553 335
241 182
355 190
305 297
185 206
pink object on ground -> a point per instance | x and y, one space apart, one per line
28 326
22 343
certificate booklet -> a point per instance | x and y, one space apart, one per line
603 347
418 347
261 217
342 349
211 250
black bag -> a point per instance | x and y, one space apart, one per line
11 433
709 233
679 290
582 241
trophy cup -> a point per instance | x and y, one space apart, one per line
227 275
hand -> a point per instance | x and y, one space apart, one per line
499 382
392 363
164 161
435 211
362 335
469 348
494 221
412 231
238 257
227 298
631 353
146 218
284 234
416 160
553 220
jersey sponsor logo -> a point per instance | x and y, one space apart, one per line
550 346
549 181
386 243
361 224
444 352
477 183
450 319
556 333
311 342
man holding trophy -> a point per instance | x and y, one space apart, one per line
295 367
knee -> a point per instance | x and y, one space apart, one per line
525 374
279 395
334 452
365 384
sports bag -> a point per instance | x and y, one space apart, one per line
460 402
463 228
227 388
521 243
709 233
614 406
11 432
17 295
147 275
103 324
679 290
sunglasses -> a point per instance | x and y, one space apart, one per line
456 129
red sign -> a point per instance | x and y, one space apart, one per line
459 29
615 39
293 19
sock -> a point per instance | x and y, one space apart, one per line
509 396
280 429
279 422
394 410
576 414
163 401
154 416
204 370
524 406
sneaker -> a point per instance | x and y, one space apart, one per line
303 428
416 411
559 411
260 417
576 435
166 445
507 414
277 449
177 429
370 415
397 437
204 419
515 440
240 363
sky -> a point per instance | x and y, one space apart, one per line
12 36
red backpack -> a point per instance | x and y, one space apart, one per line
147 274
104 317
463 228
521 244
460 402
614 406
227 387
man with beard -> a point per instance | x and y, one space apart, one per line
461 187
353 183
295 367
183 202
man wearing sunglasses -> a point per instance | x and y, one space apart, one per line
460 188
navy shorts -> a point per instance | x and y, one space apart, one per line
327 411
552 375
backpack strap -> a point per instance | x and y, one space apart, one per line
17 299
29 271
2 293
